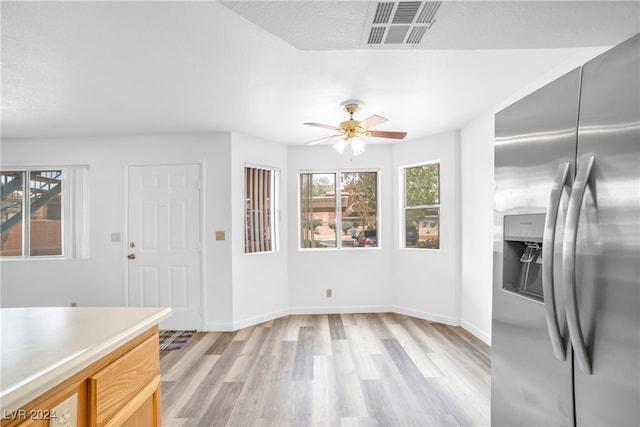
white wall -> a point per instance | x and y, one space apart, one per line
361 278
427 282
238 289
417 282
477 225
260 281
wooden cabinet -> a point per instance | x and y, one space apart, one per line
121 389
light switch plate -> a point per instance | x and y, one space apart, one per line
65 414
115 237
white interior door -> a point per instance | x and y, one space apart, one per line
164 242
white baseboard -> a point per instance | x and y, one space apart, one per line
483 336
452 321
259 319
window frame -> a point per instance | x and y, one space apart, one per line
74 207
402 241
274 208
338 207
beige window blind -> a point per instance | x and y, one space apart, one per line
259 209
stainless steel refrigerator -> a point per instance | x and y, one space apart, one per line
566 297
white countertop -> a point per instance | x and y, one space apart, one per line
42 346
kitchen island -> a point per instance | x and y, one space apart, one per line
84 366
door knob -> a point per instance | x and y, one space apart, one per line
131 256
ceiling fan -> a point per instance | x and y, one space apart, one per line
351 130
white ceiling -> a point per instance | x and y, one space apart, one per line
263 68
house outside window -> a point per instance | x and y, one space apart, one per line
339 209
421 207
260 231
36 213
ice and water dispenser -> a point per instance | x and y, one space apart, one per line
522 264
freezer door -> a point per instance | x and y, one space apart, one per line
608 240
534 138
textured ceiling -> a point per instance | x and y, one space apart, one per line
338 25
264 68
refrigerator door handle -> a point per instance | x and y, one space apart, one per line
569 262
548 241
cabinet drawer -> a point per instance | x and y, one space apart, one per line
114 386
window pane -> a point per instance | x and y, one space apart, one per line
317 210
422 185
259 208
422 228
45 188
359 205
11 213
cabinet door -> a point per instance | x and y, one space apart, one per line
148 414
120 389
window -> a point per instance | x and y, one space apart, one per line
260 208
36 212
338 209
422 206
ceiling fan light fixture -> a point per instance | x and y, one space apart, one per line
350 130
340 145
357 146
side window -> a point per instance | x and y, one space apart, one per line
36 212
260 232
421 206
338 209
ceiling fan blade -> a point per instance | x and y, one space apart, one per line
317 141
372 121
320 125
386 134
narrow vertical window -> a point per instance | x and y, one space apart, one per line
422 206
260 210
359 209
45 222
338 210
318 210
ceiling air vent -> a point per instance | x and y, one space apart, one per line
416 35
376 35
383 12
405 12
399 24
428 13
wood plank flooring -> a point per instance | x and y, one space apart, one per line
329 370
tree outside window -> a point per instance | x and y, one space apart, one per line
422 206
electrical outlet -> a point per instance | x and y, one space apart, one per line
329 293
65 414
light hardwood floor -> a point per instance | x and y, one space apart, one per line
329 370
